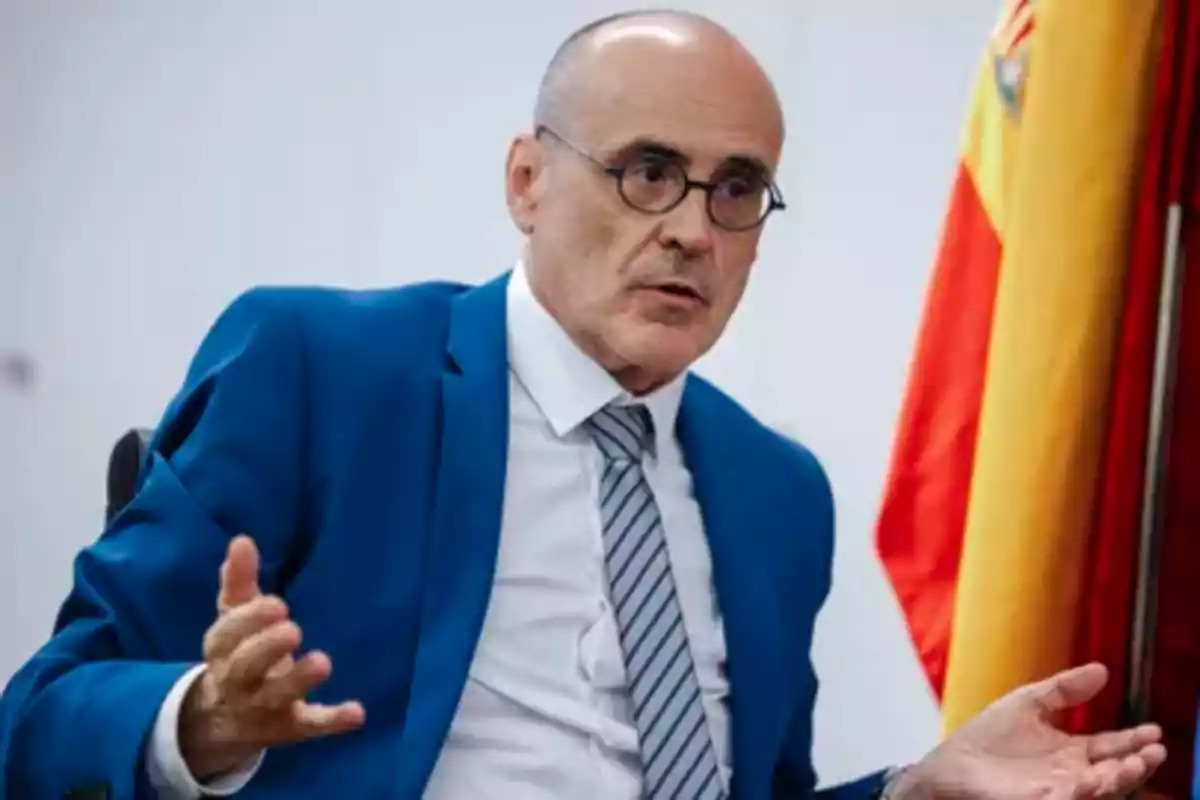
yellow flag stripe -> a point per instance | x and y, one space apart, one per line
987 144
1056 316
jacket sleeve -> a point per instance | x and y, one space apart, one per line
227 458
795 777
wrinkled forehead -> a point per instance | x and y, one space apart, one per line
708 106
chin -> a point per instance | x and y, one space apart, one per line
660 353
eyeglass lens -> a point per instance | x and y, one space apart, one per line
655 185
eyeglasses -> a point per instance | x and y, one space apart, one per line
655 184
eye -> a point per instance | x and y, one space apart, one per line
652 184
742 187
652 171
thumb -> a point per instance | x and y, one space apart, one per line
239 574
1069 688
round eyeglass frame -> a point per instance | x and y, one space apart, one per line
775 200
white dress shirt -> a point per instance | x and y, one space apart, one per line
545 712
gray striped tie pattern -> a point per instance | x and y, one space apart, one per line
678 758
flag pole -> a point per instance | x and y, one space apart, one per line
1145 609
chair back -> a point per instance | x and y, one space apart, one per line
125 465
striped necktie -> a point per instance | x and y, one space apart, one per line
678 758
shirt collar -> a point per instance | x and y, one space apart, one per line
566 384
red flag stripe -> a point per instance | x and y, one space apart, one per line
920 526
1106 623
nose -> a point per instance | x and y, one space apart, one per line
688 226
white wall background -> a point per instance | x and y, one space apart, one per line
158 157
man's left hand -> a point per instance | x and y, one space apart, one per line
1014 750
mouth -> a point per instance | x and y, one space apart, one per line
676 292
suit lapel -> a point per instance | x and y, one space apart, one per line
462 545
736 513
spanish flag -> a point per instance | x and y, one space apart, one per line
1012 510
987 517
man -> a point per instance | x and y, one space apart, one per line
528 554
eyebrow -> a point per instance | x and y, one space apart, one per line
740 162
659 149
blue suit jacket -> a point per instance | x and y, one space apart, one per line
361 439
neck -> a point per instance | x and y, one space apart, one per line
636 379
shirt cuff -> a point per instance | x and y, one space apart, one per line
890 777
168 772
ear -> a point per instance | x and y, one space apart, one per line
523 181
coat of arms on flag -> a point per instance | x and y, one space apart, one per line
1015 525
1009 45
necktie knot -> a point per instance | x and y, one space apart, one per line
623 433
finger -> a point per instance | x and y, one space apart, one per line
239 574
1126 775
313 720
1069 688
1152 756
305 721
281 667
1119 776
1118 744
303 677
224 635
248 664
1089 787
1101 779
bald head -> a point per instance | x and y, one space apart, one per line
644 186
613 54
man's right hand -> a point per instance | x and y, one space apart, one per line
251 695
